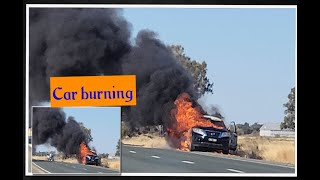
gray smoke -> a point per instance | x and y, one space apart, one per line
77 42
212 110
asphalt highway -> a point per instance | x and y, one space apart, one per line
62 167
153 160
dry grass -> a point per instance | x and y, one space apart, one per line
111 163
271 149
41 158
255 147
146 140
56 158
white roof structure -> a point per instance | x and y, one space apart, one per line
274 130
271 126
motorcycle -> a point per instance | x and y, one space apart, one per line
50 157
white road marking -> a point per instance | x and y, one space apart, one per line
157 157
188 162
73 166
100 172
132 152
234 170
85 169
46 171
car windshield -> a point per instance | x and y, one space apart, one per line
217 123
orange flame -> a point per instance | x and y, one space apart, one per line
186 117
84 151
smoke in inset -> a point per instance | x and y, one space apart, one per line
50 125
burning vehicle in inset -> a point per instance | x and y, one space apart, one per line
93 159
88 157
214 138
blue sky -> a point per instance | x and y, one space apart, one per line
250 54
104 123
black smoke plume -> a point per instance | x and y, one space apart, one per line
51 126
70 42
77 42
160 79
74 42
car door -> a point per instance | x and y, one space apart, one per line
233 136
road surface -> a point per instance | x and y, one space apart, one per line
62 167
151 160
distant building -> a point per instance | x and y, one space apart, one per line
274 130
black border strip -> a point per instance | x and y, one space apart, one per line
20 63
188 2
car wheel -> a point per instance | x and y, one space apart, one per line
191 147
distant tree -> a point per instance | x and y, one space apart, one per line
239 131
197 70
104 155
244 128
118 149
289 118
87 132
125 129
256 127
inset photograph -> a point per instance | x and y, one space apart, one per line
75 140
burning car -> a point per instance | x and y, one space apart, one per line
192 128
87 156
93 159
224 139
